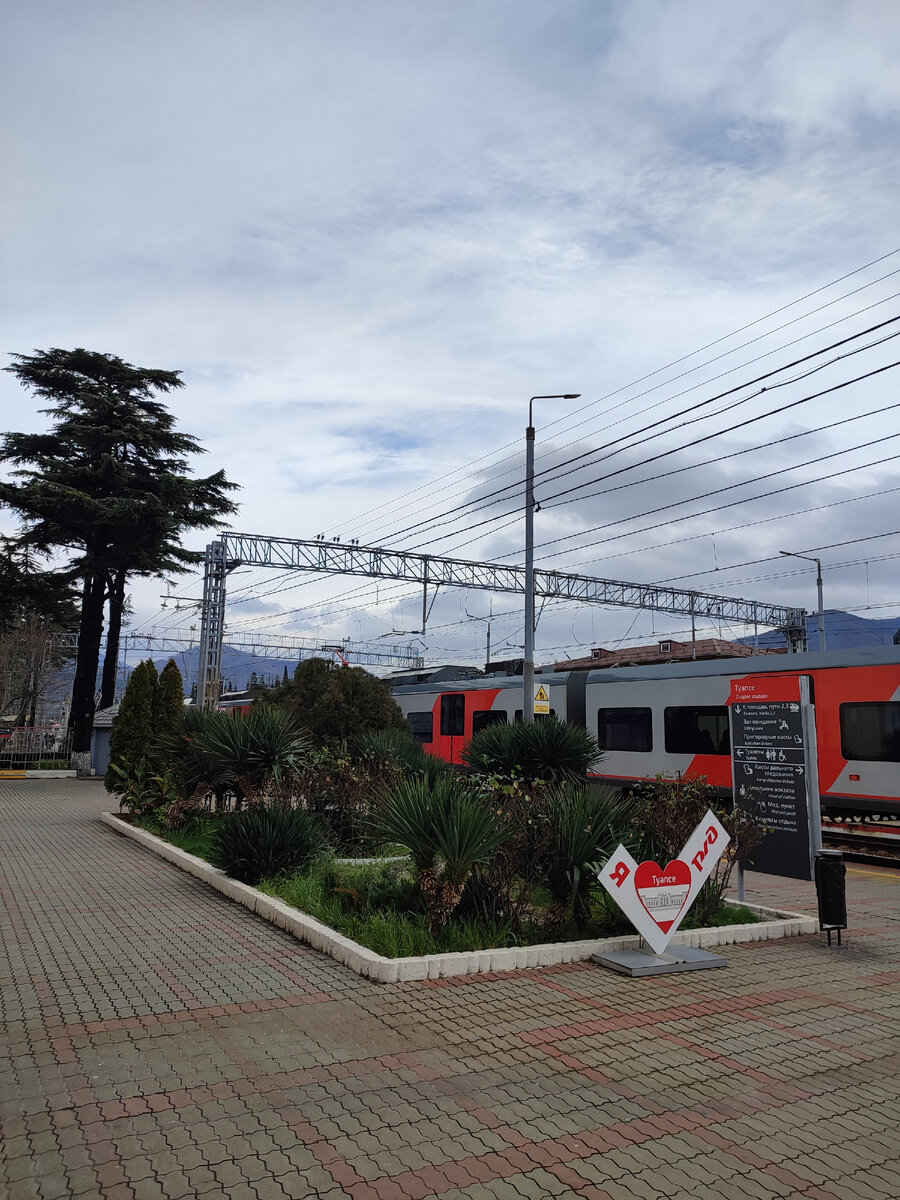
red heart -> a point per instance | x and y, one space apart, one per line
663 893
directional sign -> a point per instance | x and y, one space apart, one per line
656 899
542 700
774 771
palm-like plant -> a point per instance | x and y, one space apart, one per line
260 752
264 842
446 827
549 749
584 825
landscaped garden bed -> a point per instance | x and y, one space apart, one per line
766 923
366 847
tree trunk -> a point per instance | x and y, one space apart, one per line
114 629
81 717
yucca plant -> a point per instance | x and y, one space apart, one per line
548 749
253 755
389 747
260 843
447 829
584 825
397 750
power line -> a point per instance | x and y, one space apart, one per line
624 441
354 522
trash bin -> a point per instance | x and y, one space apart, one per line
831 890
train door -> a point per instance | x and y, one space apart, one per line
453 725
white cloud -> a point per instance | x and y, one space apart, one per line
368 233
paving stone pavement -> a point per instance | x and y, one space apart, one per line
162 1042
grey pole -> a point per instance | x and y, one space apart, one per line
818 562
821 605
528 665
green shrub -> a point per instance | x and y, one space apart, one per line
132 731
447 828
259 756
397 748
549 749
667 813
260 842
583 825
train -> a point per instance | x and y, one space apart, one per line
672 719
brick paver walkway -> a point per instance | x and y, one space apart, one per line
163 1042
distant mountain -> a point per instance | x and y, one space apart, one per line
842 631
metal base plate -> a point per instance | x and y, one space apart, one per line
642 962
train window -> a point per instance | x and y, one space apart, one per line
422 725
453 714
871 731
625 729
697 729
485 717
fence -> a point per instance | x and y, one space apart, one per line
48 746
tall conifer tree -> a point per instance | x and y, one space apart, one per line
109 484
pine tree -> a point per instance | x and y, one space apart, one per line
169 701
133 727
109 483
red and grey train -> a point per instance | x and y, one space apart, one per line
673 718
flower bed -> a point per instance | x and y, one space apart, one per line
383 968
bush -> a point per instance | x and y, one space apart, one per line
549 750
667 813
132 732
447 829
257 757
584 825
263 842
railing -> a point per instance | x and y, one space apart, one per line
26 748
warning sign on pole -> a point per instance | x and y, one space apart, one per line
542 700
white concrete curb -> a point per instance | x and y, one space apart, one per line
374 966
29 773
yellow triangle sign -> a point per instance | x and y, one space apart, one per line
541 696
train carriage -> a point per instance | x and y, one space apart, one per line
445 716
673 718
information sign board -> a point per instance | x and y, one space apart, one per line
775 772
541 700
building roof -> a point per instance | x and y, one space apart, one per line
663 652
104 717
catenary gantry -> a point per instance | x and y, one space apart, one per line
231 550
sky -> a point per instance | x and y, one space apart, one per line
366 234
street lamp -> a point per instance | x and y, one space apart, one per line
818 562
528 666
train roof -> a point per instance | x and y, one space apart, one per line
486 683
780 664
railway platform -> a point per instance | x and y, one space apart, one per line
161 1042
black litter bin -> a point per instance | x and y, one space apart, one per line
831 889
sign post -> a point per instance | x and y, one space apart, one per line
775 771
541 700
656 900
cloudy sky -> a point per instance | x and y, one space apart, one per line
368 233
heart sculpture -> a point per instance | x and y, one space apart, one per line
663 893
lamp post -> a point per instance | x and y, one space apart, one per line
528 666
818 562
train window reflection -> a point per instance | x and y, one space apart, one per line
697 729
422 725
485 717
871 731
625 729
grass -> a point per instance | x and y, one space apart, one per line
377 904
